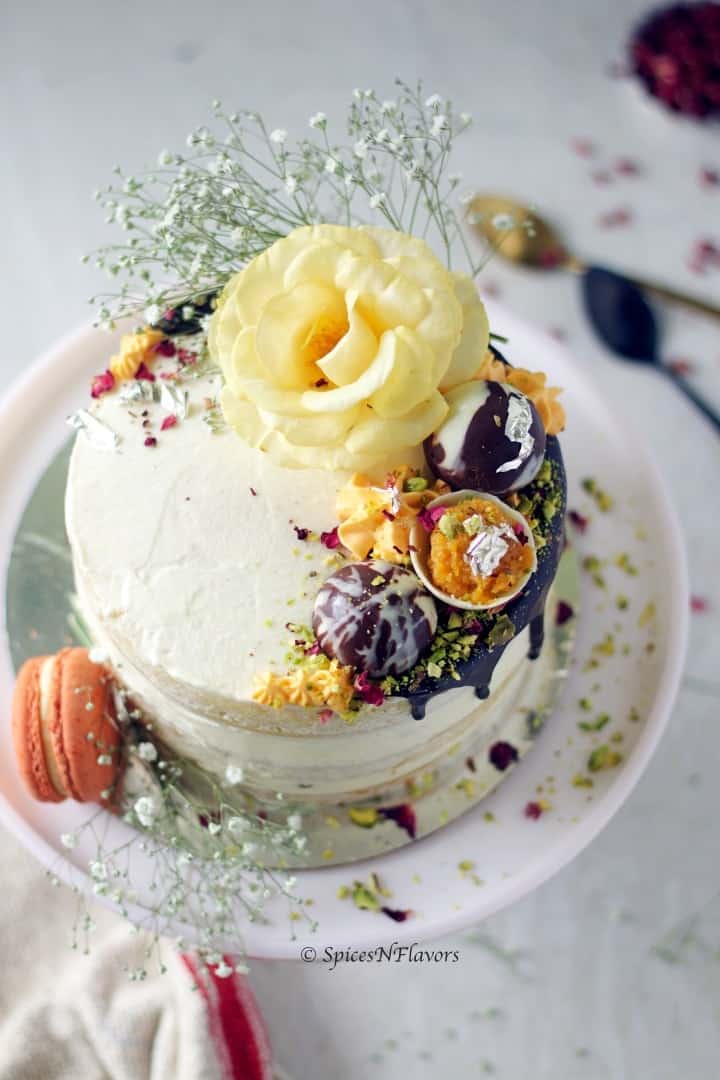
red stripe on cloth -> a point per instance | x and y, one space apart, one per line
235 1021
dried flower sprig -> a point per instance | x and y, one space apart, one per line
207 856
198 217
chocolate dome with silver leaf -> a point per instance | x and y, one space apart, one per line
375 617
492 439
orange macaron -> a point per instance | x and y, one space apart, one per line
67 741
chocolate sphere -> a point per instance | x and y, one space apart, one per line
492 439
375 617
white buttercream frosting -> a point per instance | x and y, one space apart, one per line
188 568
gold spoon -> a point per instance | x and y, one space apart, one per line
538 245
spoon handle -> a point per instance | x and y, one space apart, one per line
706 409
659 291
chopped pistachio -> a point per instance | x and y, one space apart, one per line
416 483
602 757
582 781
595 725
448 526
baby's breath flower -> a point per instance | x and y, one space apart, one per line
465 119
145 810
238 825
234 774
194 221
223 970
147 751
377 200
295 822
68 840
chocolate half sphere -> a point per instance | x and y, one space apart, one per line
375 617
492 439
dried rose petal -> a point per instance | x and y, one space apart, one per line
302 534
150 441
563 613
369 691
166 347
709 178
143 372
429 517
330 539
101 384
578 520
613 219
325 716
533 810
502 754
403 815
698 605
168 422
627 167
396 914
680 367
583 147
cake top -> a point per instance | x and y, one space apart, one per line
373 480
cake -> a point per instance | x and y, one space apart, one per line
315 518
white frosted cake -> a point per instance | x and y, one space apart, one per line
242 518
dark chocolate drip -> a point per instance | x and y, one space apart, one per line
526 609
537 635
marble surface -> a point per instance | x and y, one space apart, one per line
612 969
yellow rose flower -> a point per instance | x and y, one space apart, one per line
337 344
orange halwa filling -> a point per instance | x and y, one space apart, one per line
451 572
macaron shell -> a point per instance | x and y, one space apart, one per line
27 733
83 726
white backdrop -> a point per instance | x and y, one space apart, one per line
569 982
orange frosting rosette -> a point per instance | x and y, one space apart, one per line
379 519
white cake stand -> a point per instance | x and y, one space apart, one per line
628 658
